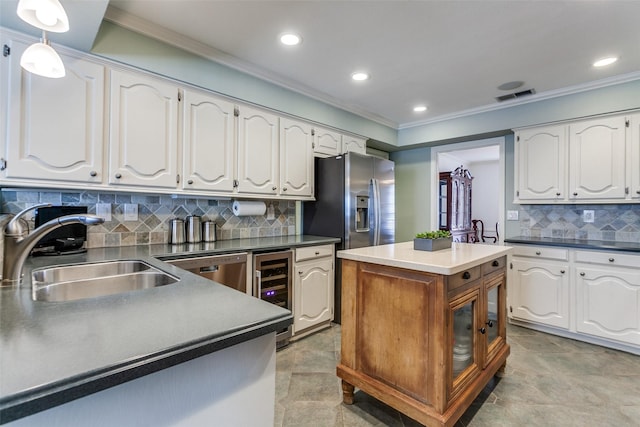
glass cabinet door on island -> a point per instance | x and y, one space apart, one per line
464 355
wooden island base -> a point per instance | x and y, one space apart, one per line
398 336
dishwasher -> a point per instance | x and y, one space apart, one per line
227 269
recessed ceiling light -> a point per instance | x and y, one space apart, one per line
420 108
290 39
605 61
360 76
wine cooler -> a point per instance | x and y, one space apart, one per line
273 284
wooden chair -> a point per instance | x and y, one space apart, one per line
482 236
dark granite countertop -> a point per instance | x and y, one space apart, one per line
55 352
575 243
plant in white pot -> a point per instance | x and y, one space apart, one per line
432 240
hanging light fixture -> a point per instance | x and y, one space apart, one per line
48 15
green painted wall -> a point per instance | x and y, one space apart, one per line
121 45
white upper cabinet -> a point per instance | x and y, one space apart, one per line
597 159
296 158
541 157
258 152
143 148
354 144
209 160
593 160
634 155
54 127
326 142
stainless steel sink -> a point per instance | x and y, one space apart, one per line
73 282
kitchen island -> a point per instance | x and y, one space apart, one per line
423 332
188 353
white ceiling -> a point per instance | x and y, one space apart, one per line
450 55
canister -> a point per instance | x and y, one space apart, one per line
209 233
176 231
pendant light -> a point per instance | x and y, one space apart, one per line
48 15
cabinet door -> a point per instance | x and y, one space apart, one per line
327 142
55 126
597 166
296 159
495 303
258 152
313 293
634 139
539 292
608 303
209 145
354 144
143 147
541 163
464 353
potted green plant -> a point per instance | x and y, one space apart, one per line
432 240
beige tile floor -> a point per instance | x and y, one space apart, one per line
549 381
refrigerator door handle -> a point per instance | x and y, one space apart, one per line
376 211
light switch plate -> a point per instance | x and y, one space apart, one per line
131 212
103 210
588 216
512 215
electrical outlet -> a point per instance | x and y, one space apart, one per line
588 216
512 215
103 210
131 212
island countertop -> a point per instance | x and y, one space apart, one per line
459 257
55 352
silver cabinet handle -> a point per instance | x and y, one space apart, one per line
611 259
582 274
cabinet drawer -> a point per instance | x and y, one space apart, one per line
609 258
464 277
541 252
494 265
313 252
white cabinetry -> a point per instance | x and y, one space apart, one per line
209 161
539 288
597 159
634 155
326 142
143 148
54 126
589 295
608 295
354 144
257 152
313 288
541 161
296 158
577 162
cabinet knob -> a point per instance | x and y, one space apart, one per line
582 274
638 192
317 253
274 188
482 330
118 176
495 263
466 275
561 271
611 259
93 173
489 323
284 189
575 194
538 252
190 182
558 194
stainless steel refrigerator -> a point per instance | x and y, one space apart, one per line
355 201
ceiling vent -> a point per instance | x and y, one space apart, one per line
515 95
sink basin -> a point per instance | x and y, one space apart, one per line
74 282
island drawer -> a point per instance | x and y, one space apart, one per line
541 252
313 252
464 277
608 258
494 265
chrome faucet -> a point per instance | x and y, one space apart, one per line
18 242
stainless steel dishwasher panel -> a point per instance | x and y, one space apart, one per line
227 269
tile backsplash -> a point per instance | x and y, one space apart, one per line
154 213
612 222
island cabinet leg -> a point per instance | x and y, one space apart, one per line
347 393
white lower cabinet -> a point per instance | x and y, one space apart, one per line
589 295
313 288
541 292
